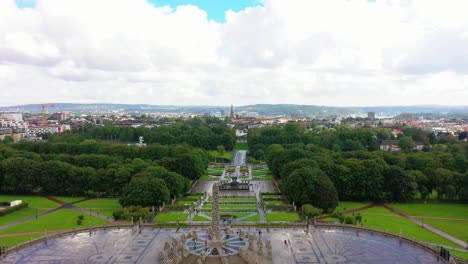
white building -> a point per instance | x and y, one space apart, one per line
12 116
11 123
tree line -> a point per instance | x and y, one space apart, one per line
197 132
311 172
154 174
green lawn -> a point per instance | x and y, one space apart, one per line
20 214
107 203
377 210
456 228
394 223
343 205
233 207
215 171
459 253
170 217
69 199
241 146
237 199
199 218
271 196
260 172
254 218
226 155
32 200
268 176
12 241
433 209
282 216
63 219
275 203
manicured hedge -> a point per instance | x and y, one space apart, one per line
12 209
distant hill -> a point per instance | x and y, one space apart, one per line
261 109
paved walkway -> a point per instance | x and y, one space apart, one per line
426 226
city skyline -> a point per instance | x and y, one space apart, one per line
332 53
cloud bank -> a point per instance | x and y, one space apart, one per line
342 53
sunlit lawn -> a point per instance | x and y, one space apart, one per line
20 214
282 216
170 217
241 146
107 203
12 241
394 223
344 205
62 219
433 209
456 228
33 200
254 218
69 199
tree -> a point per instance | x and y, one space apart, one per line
221 150
145 190
398 184
310 185
406 144
311 211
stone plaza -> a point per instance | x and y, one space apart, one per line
288 245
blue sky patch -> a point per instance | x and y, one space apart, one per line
214 8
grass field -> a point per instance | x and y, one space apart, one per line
170 217
241 146
260 172
343 205
233 207
12 241
199 218
254 218
32 200
394 223
69 199
456 228
107 203
433 209
63 219
287 217
226 155
235 199
20 214
459 253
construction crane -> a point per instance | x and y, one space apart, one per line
44 108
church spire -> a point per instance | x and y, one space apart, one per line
232 113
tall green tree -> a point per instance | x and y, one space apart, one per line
145 190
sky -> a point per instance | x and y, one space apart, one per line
199 52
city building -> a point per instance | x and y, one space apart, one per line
13 116
59 116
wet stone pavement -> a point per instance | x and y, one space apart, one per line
317 246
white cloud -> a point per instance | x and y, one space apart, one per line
296 51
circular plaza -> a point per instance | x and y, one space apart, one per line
287 245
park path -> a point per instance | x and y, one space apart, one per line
64 205
426 226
